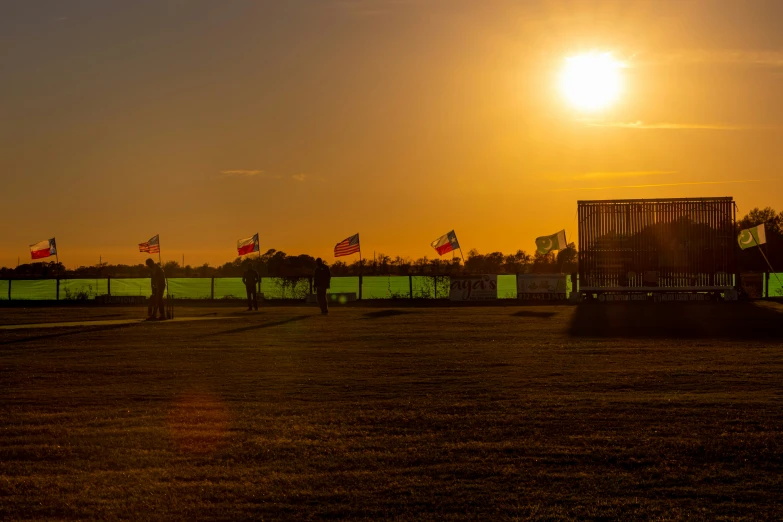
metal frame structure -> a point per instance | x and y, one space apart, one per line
657 245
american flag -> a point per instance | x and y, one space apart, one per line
152 246
347 246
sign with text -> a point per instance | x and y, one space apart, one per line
477 288
541 286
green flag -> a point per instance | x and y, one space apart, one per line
546 244
751 237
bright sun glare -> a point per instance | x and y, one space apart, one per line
591 81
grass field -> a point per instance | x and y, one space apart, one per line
643 412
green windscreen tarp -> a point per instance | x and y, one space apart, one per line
128 287
431 287
507 287
774 286
190 287
285 288
385 287
230 288
78 289
344 285
373 287
40 290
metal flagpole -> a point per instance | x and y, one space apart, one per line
561 262
56 251
767 260
361 269
460 249
159 258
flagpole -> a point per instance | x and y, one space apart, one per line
56 252
767 260
159 258
361 270
460 249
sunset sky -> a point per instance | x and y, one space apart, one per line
310 120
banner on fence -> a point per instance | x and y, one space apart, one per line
541 286
476 288
128 300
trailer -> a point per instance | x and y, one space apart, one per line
657 249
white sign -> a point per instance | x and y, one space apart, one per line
541 286
477 288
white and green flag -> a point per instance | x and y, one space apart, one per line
751 237
546 244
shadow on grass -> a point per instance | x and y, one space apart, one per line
384 313
677 320
538 315
260 326
69 332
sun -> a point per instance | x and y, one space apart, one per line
591 81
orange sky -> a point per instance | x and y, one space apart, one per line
309 121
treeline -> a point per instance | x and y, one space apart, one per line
275 263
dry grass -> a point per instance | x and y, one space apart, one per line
457 413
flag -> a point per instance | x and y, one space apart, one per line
751 237
347 246
152 246
546 244
248 246
445 244
43 249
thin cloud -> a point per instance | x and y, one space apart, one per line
772 59
674 126
299 177
658 185
623 174
240 173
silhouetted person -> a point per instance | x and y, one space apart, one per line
250 278
158 283
322 278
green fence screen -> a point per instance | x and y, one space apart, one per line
774 286
82 288
373 287
39 290
128 287
229 288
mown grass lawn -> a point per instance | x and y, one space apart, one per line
544 413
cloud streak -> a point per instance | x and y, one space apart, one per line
771 59
655 185
675 126
623 174
240 173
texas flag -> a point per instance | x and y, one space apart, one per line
446 244
43 249
248 246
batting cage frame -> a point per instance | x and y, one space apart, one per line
657 245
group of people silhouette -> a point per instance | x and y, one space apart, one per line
321 281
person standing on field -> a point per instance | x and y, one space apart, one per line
322 278
250 278
158 283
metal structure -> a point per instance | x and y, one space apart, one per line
657 245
